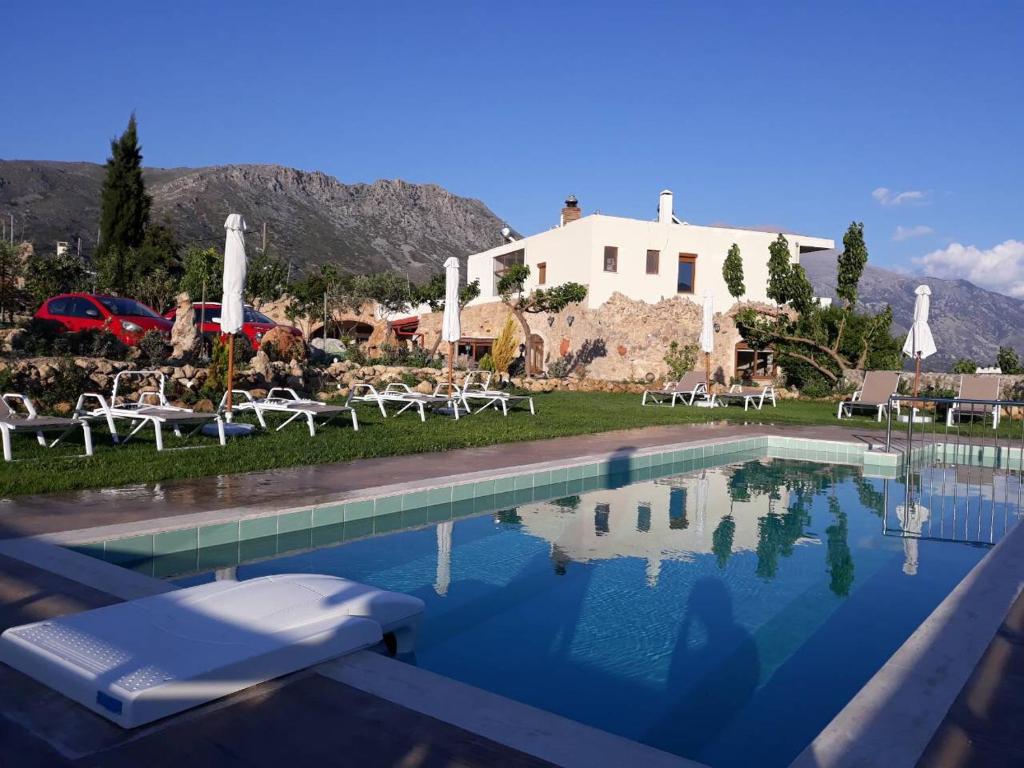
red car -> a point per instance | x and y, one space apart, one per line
254 323
125 318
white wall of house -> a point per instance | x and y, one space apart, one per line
576 252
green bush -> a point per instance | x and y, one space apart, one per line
355 354
153 347
40 336
560 368
47 337
486 363
965 365
680 359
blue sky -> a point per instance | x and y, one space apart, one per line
800 116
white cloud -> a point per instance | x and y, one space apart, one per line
1000 268
887 196
907 233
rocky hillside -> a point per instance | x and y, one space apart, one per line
311 217
967 321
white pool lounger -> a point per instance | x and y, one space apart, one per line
144 659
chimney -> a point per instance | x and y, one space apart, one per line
572 211
665 207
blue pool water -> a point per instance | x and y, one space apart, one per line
717 615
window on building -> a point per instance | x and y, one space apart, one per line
686 280
753 364
611 258
474 349
542 273
506 260
652 262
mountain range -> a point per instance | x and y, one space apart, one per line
966 320
394 225
311 217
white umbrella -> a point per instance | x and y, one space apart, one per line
231 309
451 330
919 343
707 335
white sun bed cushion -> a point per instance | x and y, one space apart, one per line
144 659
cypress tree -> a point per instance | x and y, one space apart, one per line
732 272
851 263
124 204
779 270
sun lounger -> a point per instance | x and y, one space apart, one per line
12 422
687 389
749 396
405 399
365 393
975 387
873 395
286 400
152 409
144 659
477 387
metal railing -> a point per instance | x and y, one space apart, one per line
962 467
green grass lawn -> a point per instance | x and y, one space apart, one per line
39 470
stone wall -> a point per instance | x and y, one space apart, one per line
623 340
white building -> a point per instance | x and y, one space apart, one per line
644 260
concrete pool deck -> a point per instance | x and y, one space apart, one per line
414 719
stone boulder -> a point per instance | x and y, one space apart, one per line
184 333
287 346
328 346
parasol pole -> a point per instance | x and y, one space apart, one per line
451 358
917 374
707 371
231 370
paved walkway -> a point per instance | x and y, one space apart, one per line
277 489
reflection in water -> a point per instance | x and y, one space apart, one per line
840 561
443 578
685 611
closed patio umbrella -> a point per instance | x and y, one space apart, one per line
451 329
707 336
231 309
919 343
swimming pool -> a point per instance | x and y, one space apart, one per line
714 613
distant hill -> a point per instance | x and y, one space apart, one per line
311 217
967 321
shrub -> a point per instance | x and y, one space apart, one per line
816 387
410 379
153 347
39 336
485 363
1008 360
560 368
505 347
680 359
965 365
105 344
355 354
